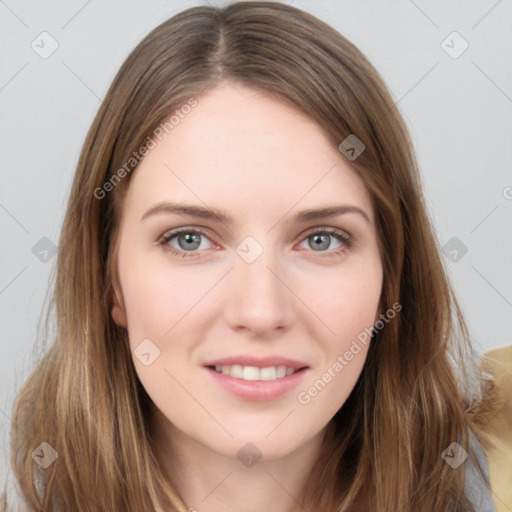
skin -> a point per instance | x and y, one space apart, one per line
262 162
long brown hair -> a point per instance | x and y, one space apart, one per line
413 398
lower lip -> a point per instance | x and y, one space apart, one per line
258 390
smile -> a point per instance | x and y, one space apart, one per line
254 373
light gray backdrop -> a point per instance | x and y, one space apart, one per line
58 59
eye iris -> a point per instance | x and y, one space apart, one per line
324 241
193 238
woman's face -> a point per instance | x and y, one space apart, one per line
261 293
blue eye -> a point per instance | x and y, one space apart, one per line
189 240
322 240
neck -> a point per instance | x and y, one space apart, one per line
209 481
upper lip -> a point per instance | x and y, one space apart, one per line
258 362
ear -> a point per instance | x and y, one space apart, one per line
118 309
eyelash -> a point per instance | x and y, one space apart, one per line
342 237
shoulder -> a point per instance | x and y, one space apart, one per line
496 438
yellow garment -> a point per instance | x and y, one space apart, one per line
497 439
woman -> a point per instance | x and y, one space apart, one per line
299 355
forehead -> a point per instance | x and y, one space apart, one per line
243 151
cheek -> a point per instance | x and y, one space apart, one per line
346 303
157 298
347 312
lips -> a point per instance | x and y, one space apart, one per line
257 379
263 362
250 368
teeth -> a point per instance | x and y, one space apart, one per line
268 373
281 372
236 371
253 373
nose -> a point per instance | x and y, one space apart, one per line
258 298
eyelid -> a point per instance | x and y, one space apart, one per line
327 229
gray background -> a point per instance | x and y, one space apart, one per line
458 111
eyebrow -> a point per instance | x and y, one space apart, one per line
220 216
